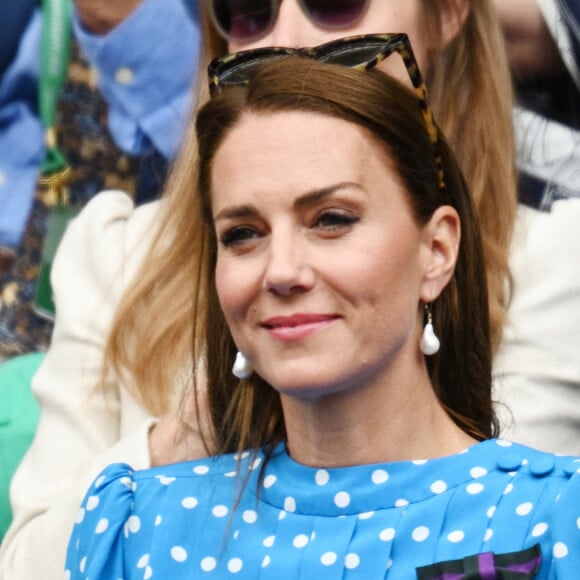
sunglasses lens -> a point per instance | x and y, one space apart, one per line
243 20
335 14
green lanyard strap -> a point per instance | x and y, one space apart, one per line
56 33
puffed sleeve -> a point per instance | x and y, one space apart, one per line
96 545
82 427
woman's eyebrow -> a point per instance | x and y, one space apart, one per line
307 199
236 211
316 195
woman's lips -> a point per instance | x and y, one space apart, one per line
297 326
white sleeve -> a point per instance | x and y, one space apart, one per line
82 427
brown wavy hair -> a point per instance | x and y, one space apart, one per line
247 414
471 96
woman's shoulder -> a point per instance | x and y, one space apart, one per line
108 239
113 212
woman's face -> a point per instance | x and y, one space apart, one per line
320 266
293 28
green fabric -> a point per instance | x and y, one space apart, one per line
18 419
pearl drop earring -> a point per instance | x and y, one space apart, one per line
429 342
242 368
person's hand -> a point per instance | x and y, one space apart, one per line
531 49
100 17
172 441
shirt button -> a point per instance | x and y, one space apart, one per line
509 462
542 466
124 75
572 467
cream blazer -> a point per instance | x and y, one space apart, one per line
81 430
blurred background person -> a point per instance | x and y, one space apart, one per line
537 370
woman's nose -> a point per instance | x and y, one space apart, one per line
293 28
287 271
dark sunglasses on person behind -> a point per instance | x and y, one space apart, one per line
249 20
361 52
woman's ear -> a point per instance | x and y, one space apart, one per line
453 14
441 237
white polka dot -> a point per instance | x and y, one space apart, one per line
100 481
67 575
269 481
380 476
419 461
83 564
143 561
165 480
220 511
134 524
366 516
290 504
312 535
387 534
92 503
281 515
389 564
250 517
102 526
488 535
342 499
456 536
402 502
208 564
578 523
269 541
300 541
560 550
179 554
508 488
124 75
231 474
328 559
80 516
524 509
478 472
504 443
420 534
189 503
236 534
491 511
158 520
539 529
438 487
322 477
351 561
126 481
148 573
266 561
201 469
256 463
235 565
474 488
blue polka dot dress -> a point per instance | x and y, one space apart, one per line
494 510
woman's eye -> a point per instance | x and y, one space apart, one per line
238 235
335 220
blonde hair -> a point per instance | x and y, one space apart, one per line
471 96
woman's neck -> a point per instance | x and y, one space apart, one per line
357 427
